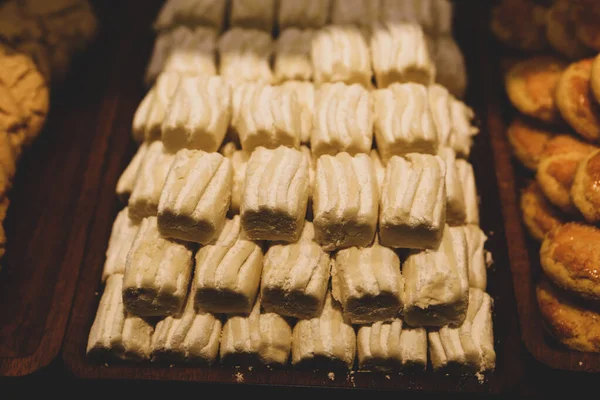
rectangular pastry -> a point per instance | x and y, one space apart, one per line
260 336
455 201
228 272
239 160
303 13
467 178
413 214
311 175
195 197
367 282
470 346
436 282
123 233
292 55
340 53
355 12
342 121
326 340
152 175
244 55
295 277
275 194
157 273
400 54
345 201
391 345
477 267
305 94
379 168
129 176
258 14
198 115
463 131
191 13
116 333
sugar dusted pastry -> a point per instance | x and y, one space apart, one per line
450 68
413 214
295 277
292 55
355 12
151 178
191 12
340 53
258 14
403 121
343 120
455 199
561 31
436 282
123 233
538 214
379 168
115 332
461 138
198 114
367 282
476 258
305 94
157 273
585 190
345 201
228 272
275 194
303 13
520 24
400 54
470 346
128 178
244 55
326 340
260 336
391 345
467 179
528 141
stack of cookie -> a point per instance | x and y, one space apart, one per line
315 209
557 138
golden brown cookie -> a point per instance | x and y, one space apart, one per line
560 30
586 14
575 101
528 141
11 119
585 192
520 24
530 86
538 215
39 54
595 78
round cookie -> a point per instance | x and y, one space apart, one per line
530 86
538 215
560 30
575 101
528 141
520 24
576 327
585 191
595 78
586 14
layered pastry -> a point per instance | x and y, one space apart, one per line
366 281
561 31
324 341
198 114
461 137
528 141
399 53
115 332
307 154
391 345
228 272
595 78
244 55
586 13
305 94
345 201
435 16
257 14
585 190
292 55
520 24
157 273
192 13
456 212
354 12
340 53
343 120
275 194
379 168
295 277
450 68
195 197
403 121
538 214
303 13
440 104
239 160
260 336
413 214
122 235
467 179
129 176
436 282
470 346
476 257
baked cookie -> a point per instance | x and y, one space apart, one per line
561 32
595 78
539 216
520 24
40 55
530 87
586 14
576 327
585 191
575 101
528 141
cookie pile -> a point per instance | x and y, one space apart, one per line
311 203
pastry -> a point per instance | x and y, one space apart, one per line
467 179
400 54
455 199
440 103
307 154
470 346
195 197
575 326
145 196
340 53
539 216
379 168
584 192
435 16
345 201
366 281
531 84
569 257
528 141
356 12
403 121
391 345
40 54
128 178
476 239
413 214
157 273
461 136
115 332
122 235
239 160
257 14
449 62
436 282
260 336
561 31
595 79
295 277
520 24
305 94
343 120
228 272
245 54
191 12
586 13
324 341
303 13
292 55
275 194
575 101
